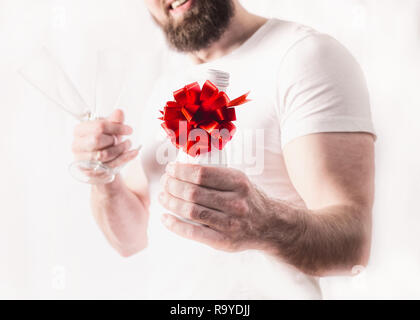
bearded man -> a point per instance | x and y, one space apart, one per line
260 231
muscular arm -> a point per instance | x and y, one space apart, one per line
121 210
333 173
121 207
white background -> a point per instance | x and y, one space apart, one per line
49 244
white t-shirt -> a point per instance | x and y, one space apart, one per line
301 82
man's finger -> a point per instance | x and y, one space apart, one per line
227 179
108 154
201 234
117 116
210 198
92 143
114 152
191 211
123 159
101 126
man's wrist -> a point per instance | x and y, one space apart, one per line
109 189
285 224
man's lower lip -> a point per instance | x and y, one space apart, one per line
182 8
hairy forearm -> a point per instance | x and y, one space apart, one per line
328 241
121 215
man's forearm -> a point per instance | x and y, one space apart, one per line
322 242
121 215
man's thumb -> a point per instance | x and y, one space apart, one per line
117 116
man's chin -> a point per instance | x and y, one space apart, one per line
178 21
180 11
199 26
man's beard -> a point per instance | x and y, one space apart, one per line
202 25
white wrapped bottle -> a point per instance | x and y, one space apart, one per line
215 157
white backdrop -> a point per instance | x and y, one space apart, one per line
50 246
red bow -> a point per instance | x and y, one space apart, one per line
208 110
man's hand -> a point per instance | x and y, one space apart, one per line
233 212
100 140
332 172
120 207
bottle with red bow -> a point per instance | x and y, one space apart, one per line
213 156
199 121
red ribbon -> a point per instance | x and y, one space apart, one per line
206 109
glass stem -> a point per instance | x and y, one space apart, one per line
91 117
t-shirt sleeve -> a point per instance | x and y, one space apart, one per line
321 88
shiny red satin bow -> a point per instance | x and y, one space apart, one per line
200 118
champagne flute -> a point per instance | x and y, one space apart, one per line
46 75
